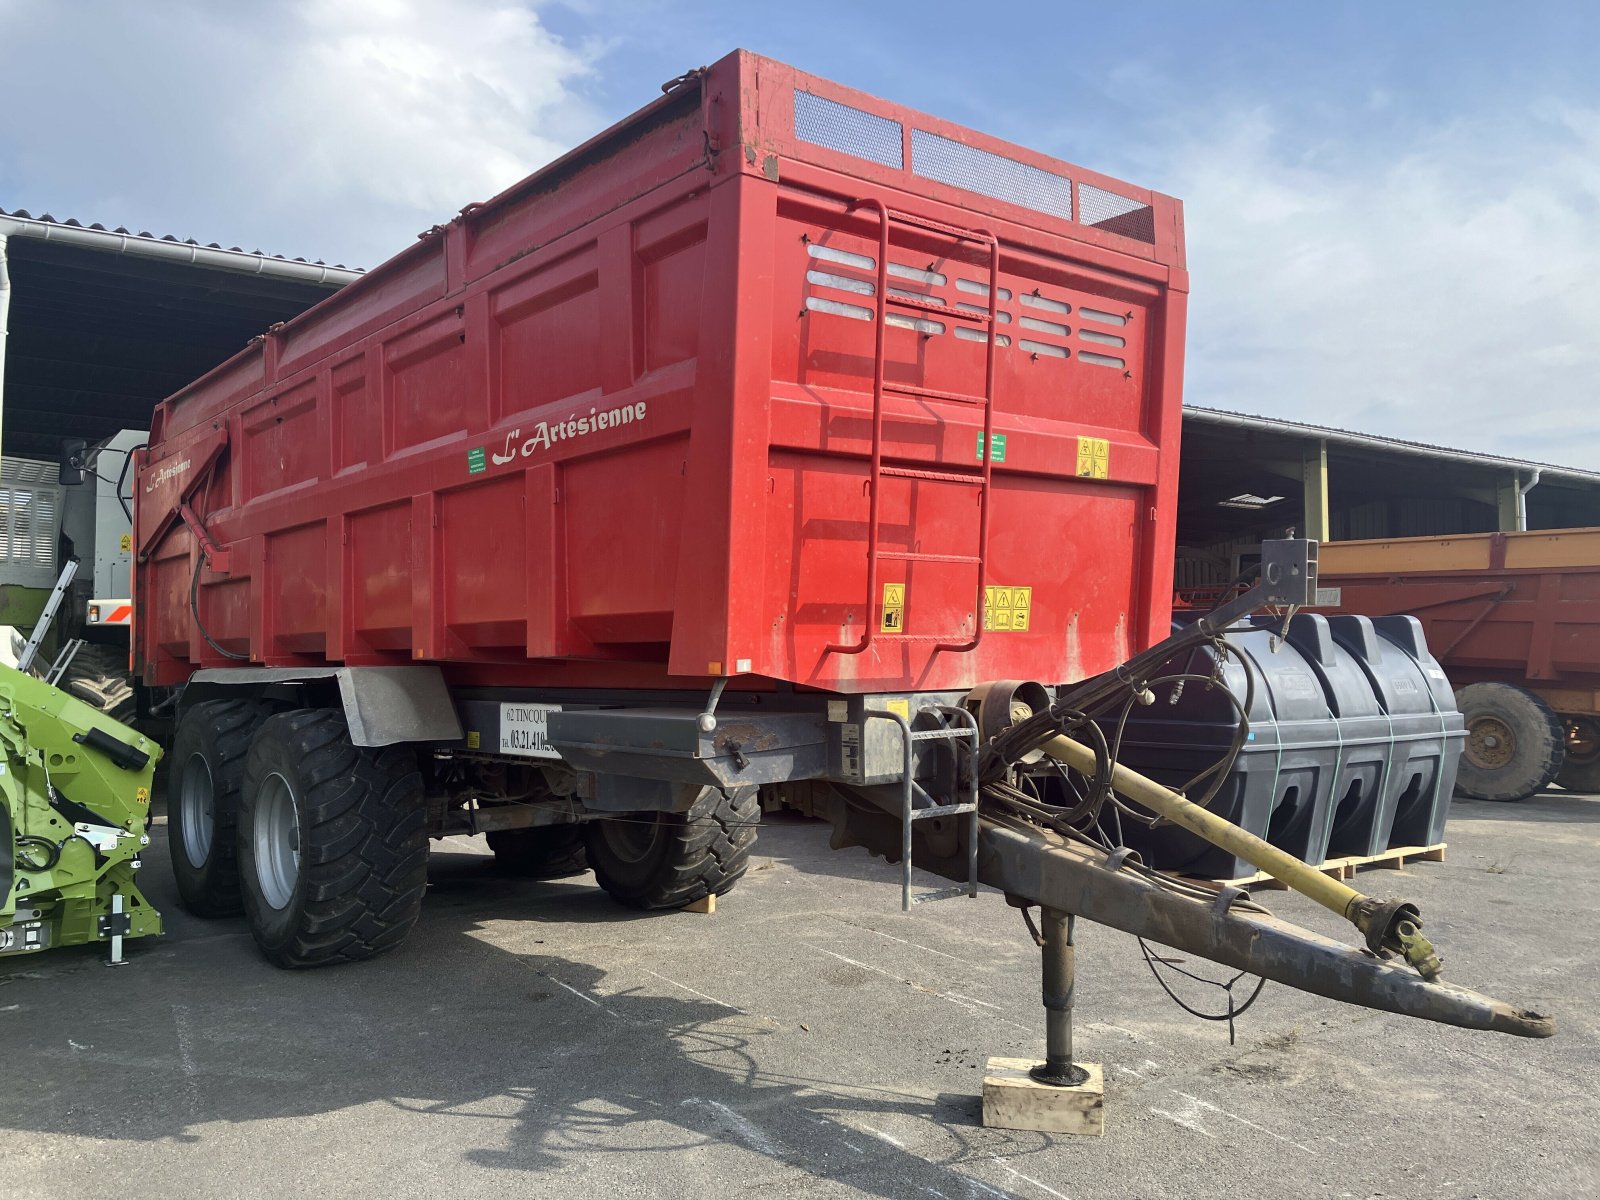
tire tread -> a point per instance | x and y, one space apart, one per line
708 851
364 843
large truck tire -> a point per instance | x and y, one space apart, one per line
667 860
1515 742
333 841
99 676
203 781
1580 770
542 852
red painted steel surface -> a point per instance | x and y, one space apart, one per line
1510 607
613 427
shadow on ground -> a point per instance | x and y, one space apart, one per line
534 1048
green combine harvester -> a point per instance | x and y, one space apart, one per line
75 786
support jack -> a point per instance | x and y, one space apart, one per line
1057 1095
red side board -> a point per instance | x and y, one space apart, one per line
614 427
1529 617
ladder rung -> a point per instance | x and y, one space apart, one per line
929 735
908 556
975 479
933 306
966 235
909 389
943 894
920 638
941 810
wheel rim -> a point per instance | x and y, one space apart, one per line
197 806
632 839
276 840
1490 743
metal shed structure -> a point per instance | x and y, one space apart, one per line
98 324
1246 477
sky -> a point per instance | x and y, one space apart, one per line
1392 211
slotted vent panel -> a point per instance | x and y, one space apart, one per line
30 527
836 126
994 175
1116 214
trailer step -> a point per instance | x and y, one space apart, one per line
918 556
964 729
900 300
966 235
973 478
928 393
949 893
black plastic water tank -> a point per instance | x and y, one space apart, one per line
1352 745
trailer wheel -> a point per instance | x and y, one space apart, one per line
333 841
667 860
1580 772
202 797
1515 742
543 852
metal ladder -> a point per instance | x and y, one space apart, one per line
981 478
911 791
30 651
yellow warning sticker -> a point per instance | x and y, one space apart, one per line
126 543
142 795
474 739
899 704
894 609
1007 608
1094 458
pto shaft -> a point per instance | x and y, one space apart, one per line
1391 926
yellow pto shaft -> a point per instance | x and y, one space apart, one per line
1389 924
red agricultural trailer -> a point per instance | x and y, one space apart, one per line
762 444
1515 619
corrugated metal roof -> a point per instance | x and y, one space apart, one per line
23 214
104 323
1353 437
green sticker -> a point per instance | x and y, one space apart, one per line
997 447
476 462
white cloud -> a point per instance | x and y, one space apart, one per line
406 108
1447 291
328 128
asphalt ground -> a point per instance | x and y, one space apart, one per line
806 1040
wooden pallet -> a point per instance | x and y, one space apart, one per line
1393 859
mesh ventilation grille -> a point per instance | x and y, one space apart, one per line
963 166
1116 214
848 130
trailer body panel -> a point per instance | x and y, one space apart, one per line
1519 608
613 428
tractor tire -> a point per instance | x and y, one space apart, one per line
206 767
333 841
542 852
1515 743
99 676
666 860
1580 771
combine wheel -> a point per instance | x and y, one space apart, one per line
1515 742
206 768
99 676
1581 770
667 860
333 841
542 852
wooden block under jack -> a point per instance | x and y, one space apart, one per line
707 904
1012 1099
